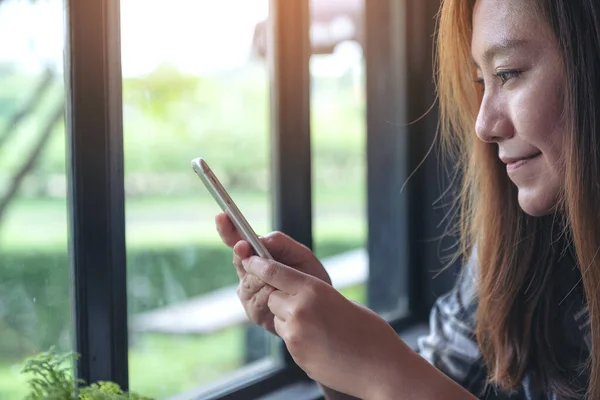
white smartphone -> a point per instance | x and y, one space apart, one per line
224 201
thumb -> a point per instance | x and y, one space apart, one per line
276 274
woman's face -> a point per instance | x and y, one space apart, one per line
520 70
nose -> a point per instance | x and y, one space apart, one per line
493 123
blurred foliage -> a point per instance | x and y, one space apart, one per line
170 118
51 378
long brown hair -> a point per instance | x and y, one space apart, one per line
517 252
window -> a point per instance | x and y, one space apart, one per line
193 88
318 142
34 264
407 184
338 134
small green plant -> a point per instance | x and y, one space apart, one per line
52 379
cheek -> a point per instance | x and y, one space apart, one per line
537 111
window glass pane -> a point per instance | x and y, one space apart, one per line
338 143
34 272
194 85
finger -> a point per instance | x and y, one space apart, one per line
279 303
269 325
241 250
257 307
249 286
279 276
279 326
257 310
227 231
283 247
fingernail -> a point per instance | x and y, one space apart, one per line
255 262
245 263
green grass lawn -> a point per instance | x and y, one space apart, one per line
163 221
162 365
13 384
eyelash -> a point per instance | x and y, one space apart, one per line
507 75
504 76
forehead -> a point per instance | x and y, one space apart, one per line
499 23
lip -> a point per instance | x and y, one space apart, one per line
512 164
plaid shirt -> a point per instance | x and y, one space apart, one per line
452 348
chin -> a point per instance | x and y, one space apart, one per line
536 203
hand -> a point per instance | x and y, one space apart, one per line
339 343
252 291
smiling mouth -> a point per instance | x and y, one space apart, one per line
513 165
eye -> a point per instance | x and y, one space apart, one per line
507 75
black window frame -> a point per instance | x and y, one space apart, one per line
96 198
398 55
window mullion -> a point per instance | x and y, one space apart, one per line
96 192
289 54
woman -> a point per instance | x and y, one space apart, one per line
520 105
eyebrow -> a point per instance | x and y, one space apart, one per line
501 47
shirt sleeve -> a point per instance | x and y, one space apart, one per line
451 345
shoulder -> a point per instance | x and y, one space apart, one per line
460 304
453 317
451 344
